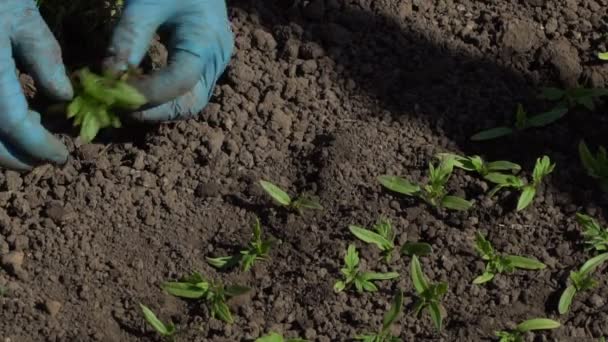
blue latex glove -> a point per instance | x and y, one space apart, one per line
24 143
200 47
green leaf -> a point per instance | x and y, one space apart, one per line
236 290
157 324
220 310
587 102
588 160
502 165
521 117
435 313
537 324
272 337
339 286
420 282
224 262
526 197
542 169
186 290
593 263
352 256
484 278
566 299
393 312
547 118
504 179
75 106
379 276
399 185
416 248
552 94
307 203
603 56
525 263
456 203
371 237
276 193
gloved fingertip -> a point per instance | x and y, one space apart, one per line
61 86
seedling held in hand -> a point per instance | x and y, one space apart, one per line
276 337
382 236
542 169
535 324
215 294
282 198
570 98
434 192
257 251
522 122
429 295
596 166
384 335
363 281
580 280
165 330
596 236
496 263
97 98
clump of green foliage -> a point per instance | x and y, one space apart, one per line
580 280
476 164
497 263
596 236
363 281
522 123
434 192
595 165
572 97
96 100
534 324
276 337
382 236
429 294
165 330
283 199
542 169
384 335
257 251
214 294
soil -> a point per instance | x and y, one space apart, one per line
322 97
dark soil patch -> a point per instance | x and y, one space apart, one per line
321 96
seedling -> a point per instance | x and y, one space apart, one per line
382 236
257 251
534 324
580 280
429 295
214 294
497 263
542 169
477 164
165 330
572 97
603 56
363 281
522 123
434 192
384 335
596 236
97 98
283 199
416 248
276 337
596 166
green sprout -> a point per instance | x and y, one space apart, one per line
572 97
283 199
429 294
384 335
416 248
496 263
596 166
165 330
542 169
580 280
363 281
477 164
534 324
97 98
276 337
596 236
257 251
434 192
522 123
382 236
215 294
603 56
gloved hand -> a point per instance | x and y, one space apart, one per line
24 143
200 47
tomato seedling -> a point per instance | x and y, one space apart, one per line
534 324
522 123
596 236
96 100
283 199
214 294
382 236
384 335
542 169
257 251
276 337
165 330
595 165
434 192
580 280
363 281
476 164
429 294
572 97
497 263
